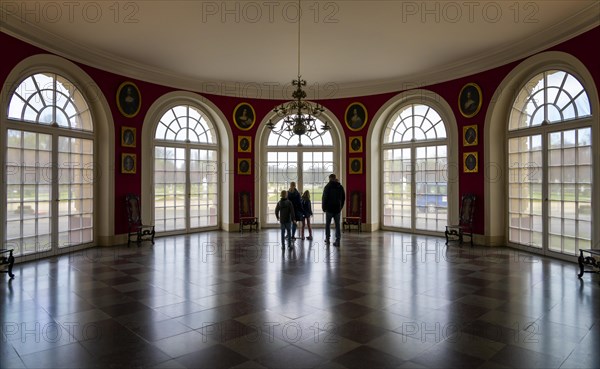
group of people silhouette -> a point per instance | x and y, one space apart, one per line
293 207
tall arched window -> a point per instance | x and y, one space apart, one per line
49 161
550 164
415 173
308 161
185 171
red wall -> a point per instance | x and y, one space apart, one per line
580 47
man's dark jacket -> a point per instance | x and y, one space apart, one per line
333 197
296 199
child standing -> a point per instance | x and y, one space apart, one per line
284 212
307 214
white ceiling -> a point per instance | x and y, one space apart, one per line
348 47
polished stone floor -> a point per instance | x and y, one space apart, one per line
218 300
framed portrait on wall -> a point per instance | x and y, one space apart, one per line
356 166
469 100
356 116
128 163
470 135
245 166
470 162
129 99
355 144
244 144
128 137
244 116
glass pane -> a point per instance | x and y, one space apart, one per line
29 181
525 182
76 192
282 168
203 188
397 187
569 189
316 168
169 193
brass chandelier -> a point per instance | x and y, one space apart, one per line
299 116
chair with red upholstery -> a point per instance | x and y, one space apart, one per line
247 218
137 229
353 216
465 221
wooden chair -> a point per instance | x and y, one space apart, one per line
465 221
7 258
134 218
247 218
353 213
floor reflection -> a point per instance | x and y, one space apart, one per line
218 299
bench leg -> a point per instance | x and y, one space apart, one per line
11 262
580 260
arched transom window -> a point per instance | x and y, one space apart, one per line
50 99
549 97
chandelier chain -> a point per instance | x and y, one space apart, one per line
299 21
299 116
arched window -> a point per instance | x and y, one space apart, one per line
415 173
185 171
550 164
306 160
50 99
49 166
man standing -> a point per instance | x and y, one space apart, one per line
296 199
284 212
333 203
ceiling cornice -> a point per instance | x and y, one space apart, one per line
570 27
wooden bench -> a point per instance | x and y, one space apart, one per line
7 258
589 261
